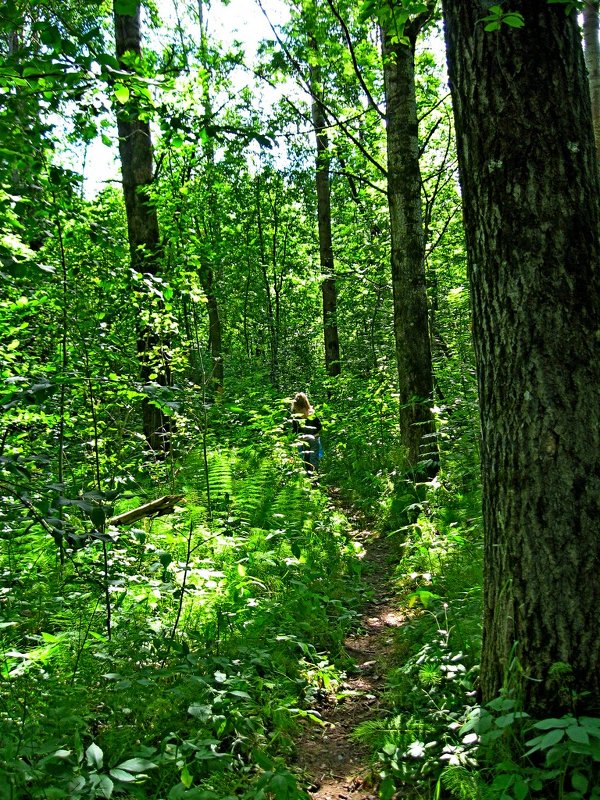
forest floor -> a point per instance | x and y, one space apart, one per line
337 766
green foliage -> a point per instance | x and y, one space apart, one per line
213 685
523 758
419 747
174 658
498 16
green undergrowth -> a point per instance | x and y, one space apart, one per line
436 651
431 681
436 742
174 658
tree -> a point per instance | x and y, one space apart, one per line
531 209
211 220
328 286
403 178
411 327
135 148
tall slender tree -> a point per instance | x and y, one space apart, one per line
531 208
137 168
328 285
411 324
211 217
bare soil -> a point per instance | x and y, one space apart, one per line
336 766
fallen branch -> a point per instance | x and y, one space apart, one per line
156 508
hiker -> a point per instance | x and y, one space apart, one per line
307 426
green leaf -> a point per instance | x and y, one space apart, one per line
578 734
387 789
501 704
202 712
186 777
122 775
95 756
580 782
552 722
136 765
98 516
423 596
520 789
281 787
263 761
535 744
104 787
513 20
552 738
507 719
591 724
121 93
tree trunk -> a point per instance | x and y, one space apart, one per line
411 325
264 270
135 149
328 286
214 329
207 270
530 198
591 24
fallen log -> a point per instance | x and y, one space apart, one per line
156 508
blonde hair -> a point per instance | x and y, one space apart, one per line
301 405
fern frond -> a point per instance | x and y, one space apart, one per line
464 784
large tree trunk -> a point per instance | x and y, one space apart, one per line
135 149
328 286
530 196
591 25
411 325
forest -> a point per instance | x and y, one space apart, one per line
299 382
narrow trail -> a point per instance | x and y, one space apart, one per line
336 766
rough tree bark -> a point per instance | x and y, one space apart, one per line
328 285
411 324
135 150
530 197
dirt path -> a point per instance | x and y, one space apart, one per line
337 767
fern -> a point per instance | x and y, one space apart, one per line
291 504
219 476
464 785
254 493
398 730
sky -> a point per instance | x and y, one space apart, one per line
239 20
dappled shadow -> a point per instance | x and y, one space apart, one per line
336 766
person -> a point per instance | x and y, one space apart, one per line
307 427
